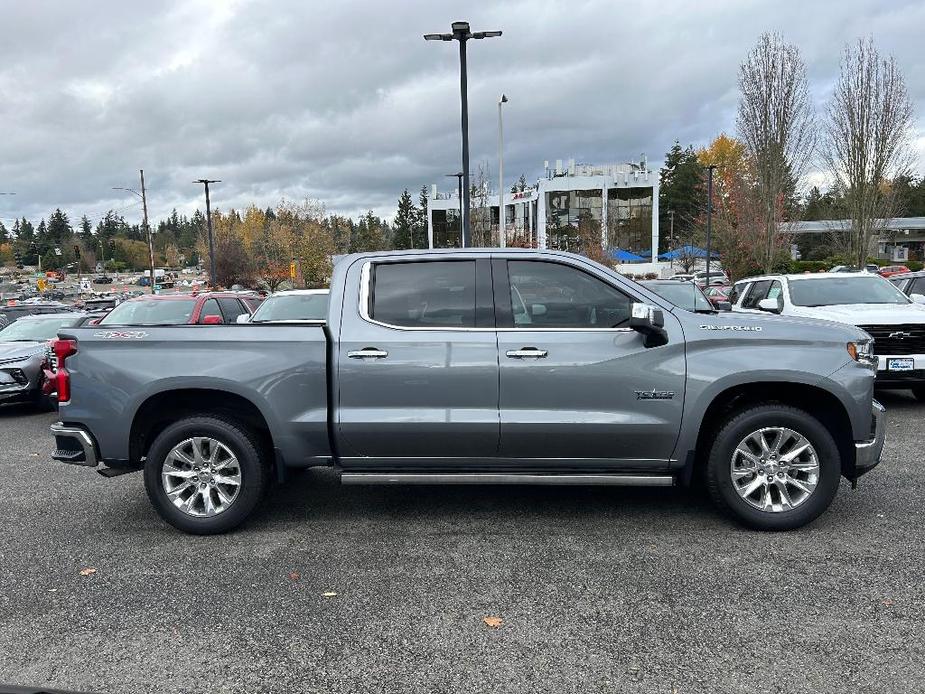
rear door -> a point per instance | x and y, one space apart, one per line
577 384
417 365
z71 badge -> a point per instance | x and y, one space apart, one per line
745 328
121 334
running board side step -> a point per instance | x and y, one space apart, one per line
500 478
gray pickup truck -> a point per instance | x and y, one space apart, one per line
483 366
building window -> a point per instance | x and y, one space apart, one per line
573 217
629 219
446 228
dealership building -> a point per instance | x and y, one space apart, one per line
615 205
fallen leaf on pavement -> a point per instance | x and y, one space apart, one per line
294 575
88 571
493 622
329 594
887 602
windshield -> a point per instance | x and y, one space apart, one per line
844 290
292 307
687 295
35 329
151 312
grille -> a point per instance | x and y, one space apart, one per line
897 339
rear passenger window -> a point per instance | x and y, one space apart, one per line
756 293
438 294
209 308
918 286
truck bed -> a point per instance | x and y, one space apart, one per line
118 373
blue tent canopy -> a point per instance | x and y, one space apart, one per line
688 251
625 256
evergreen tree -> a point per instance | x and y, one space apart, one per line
682 191
86 229
4 234
406 222
59 228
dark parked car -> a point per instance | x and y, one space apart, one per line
24 353
102 279
13 312
686 295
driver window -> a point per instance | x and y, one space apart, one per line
553 295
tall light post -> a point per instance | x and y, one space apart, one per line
206 182
459 178
501 227
710 170
462 33
144 207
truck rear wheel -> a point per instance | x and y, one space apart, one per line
773 467
205 475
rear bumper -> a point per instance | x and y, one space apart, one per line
74 445
867 453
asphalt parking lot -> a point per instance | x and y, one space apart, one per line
599 589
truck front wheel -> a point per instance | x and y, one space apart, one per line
773 467
204 474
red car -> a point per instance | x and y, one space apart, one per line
718 296
205 308
890 270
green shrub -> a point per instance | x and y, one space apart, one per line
801 266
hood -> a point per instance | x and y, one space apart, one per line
22 350
772 325
866 314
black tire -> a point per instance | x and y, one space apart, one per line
919 393
245 447
739 425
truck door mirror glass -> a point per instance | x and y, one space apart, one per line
649 321
769 305
723 306
243 318
917 298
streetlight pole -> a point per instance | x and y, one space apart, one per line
501 225
462 33
459 178
206 182
710 170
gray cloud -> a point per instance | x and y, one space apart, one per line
345 102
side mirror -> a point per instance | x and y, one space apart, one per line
243 318
650 322
212 320
769 305
723 306
917 298
538 310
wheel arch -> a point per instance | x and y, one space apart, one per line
825 406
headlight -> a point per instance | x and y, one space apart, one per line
862 351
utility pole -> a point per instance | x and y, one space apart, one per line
144 207
206 182
462 33
502 232
710 170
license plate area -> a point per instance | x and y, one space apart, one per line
900 364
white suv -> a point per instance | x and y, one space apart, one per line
870 302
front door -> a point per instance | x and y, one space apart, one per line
418 366
576 382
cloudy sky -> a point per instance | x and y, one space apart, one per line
345 102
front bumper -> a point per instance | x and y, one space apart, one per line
867 453
891 378
74 445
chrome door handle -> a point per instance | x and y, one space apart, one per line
368 353
527 353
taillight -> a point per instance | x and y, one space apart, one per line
63 349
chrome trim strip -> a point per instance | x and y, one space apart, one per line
498 478
363 309
91 459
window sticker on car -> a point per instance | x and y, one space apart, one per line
121 334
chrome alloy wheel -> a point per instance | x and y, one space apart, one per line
774 469
201 476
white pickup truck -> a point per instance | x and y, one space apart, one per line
896 322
